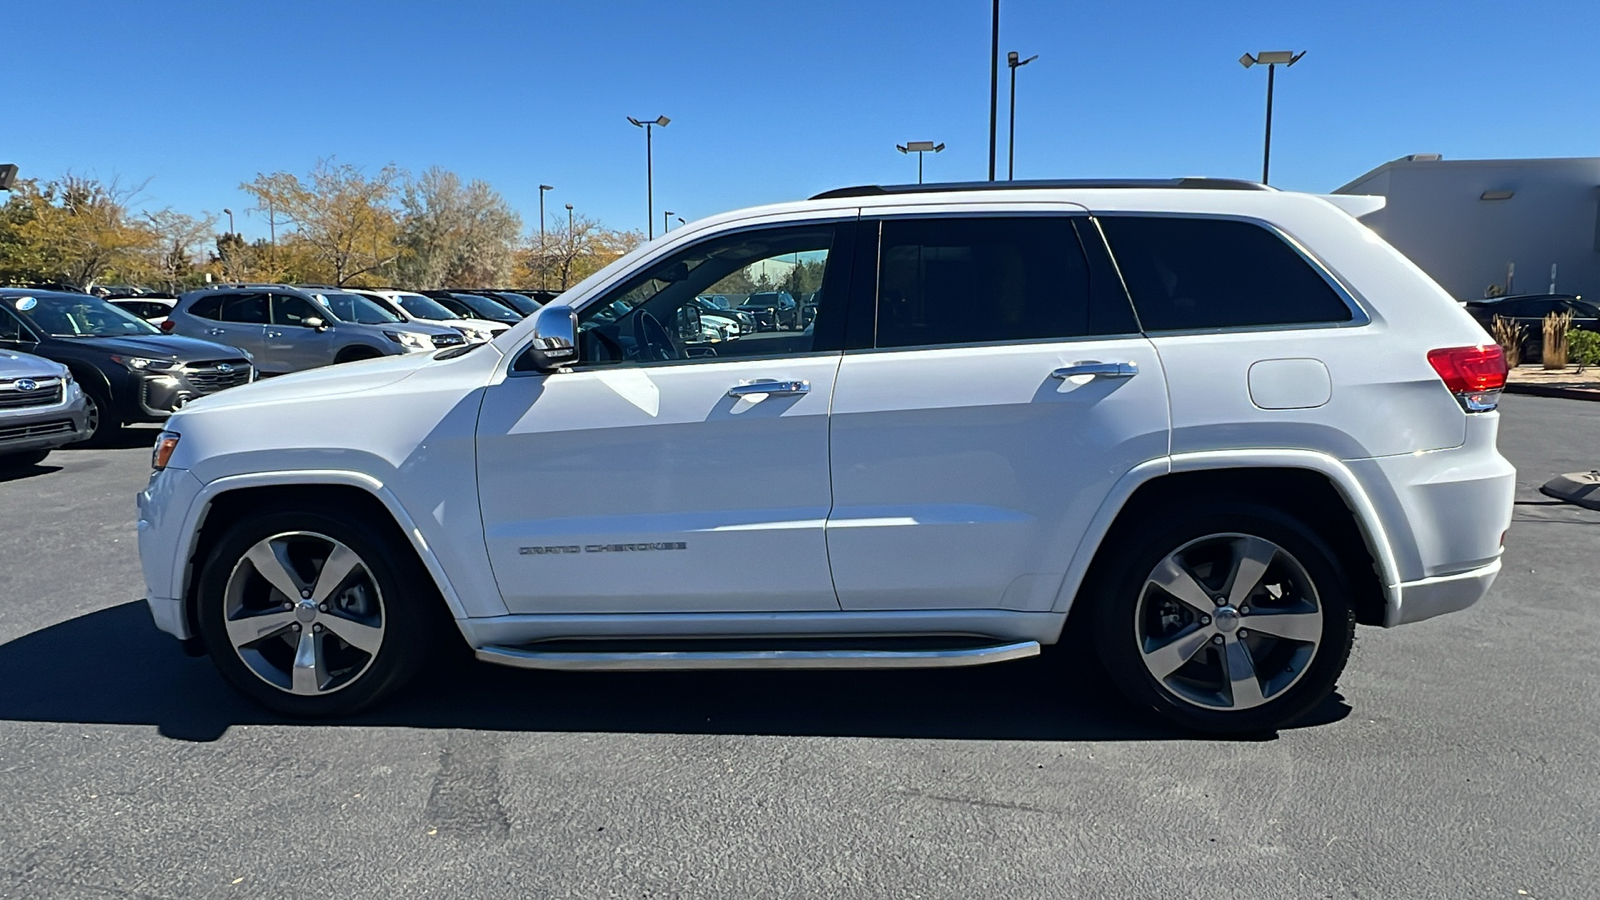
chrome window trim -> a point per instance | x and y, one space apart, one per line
1359 316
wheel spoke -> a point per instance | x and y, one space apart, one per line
341 562
309 673
246 630
270 558
1299 626
1253 556
1242 683
1171 656
363 637
1175 580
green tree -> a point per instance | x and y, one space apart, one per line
344 218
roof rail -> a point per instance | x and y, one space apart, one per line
1193 183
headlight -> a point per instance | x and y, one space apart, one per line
409 340
166 443
475 335
141 364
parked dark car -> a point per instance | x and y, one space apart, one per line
475 306
129 370
519 303
773 311
717 305
1529 310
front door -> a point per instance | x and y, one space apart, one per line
666 473
1003 388
290 344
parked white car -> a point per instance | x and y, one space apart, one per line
414 307
1209 426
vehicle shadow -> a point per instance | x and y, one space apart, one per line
17 473
113 667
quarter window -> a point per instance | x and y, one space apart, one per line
966 280
1196 274
208 307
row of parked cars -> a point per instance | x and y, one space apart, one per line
76 367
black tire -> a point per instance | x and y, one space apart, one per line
23 460
411 613
1121 628
103 424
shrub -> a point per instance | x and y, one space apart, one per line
1508 335
1556 326
1584 348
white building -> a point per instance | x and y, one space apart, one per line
1470 222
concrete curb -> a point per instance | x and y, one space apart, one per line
1543 390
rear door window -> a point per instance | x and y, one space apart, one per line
1196 274
250 309
288 309
951 281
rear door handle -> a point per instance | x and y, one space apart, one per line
770 387
1093 367
216 331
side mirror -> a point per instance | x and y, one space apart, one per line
314 322
555 340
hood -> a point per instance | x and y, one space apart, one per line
160 346
342 378
24 365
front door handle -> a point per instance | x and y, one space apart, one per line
770 387
216 331
1093 367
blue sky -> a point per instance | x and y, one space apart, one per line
773 100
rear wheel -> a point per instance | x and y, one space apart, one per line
1230 618
314 614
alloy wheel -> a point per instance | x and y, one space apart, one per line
304 613
1228 622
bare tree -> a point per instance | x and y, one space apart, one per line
454 234
179 237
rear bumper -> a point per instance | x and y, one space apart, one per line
1431 597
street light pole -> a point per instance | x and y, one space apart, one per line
1011 138
649 171
572 250
230 219
666 221
919 148
994 85
1271 59
543 284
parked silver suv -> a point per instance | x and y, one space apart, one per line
41 408
287 329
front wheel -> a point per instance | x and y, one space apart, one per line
313 614
1230 619
103 426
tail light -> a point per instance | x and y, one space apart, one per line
168 325
1474 375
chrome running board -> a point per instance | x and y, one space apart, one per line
620 660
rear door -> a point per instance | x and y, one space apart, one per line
997 388
240 320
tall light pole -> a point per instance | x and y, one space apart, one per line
230 219
994 85
543 285
666 220
1011 138
571 249
919 148
649 171
1271 59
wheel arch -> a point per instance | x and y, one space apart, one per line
356 351
1314 485
224 501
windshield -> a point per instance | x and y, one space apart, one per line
74 315
424 307
485 308
356 308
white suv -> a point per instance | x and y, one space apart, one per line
1203 426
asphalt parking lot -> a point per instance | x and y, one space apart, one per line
1459 758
